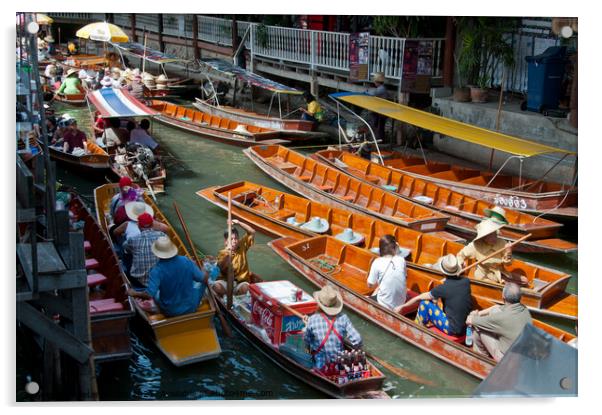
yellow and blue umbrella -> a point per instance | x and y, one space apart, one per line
103 32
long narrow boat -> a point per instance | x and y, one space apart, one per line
76 100
83 61
526 195
465 211
121 167
268 210
110 307
330 186
95 160
213 127
369 388
184 339
294 129
325 260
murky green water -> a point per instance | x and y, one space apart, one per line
194 163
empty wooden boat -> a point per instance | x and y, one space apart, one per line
465 211
293 129
369 388
84 61
184 339
110 307
213 127
95 160
324 260
330 186
271 211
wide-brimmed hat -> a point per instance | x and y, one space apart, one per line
135 209
71 71
316 224
450 265
486 227
161 79
293 221
517 276
106 81
403 252
379 77
496 214
329 300
164 248
350 237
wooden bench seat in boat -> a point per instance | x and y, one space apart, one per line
96 279
87 246
204 306
105 305
92 263
283 214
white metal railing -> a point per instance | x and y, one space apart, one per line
215 30
331 49
386 55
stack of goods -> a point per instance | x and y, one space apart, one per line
161 82
148 80
347 366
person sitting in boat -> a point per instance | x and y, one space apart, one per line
175 283
116 78
74 138
139 247
140 135
72 48
456 297
496 328
240 266
72 85
112 134
137 89
127 193
486 243
62 126
326 332
131 227
314 111
388 274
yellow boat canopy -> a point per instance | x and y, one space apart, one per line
448 127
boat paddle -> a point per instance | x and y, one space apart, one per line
230 281
222 319
499 251
402 373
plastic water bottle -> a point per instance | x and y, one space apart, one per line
212 269
468 340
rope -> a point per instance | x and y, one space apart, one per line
559 203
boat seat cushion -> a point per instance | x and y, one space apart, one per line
92 263
105 306
454 338
96 279
411 309
87 246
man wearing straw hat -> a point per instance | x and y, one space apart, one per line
486 243
175 283
139 246
327 331
456 297
240 266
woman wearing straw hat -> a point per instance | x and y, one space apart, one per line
175 282
72 85
327 331
486 243
456 297
388 274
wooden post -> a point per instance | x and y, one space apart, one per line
573 103
234 35
144 53
230 282
160 32
499 105
448 57
133 27
195 37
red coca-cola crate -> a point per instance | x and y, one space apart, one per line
266 311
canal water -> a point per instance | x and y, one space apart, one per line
241 371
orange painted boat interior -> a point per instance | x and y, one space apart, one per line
301 125
93 148
201 118
351 190
443 198
349 265
425 249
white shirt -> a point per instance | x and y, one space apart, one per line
390 274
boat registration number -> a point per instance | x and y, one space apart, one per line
511 202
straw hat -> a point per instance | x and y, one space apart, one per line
329 300
497 214
161 79
486 227
135 209
106 81
403 252
116 70
350 237
517 276
449 265
293 221
71 71
316 224
164 248
379 77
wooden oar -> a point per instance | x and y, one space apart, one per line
230 282
474 264
402 373
222 319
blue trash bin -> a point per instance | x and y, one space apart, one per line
545 78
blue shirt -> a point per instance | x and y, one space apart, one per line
176 285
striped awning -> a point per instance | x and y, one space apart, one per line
112 102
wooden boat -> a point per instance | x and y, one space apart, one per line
268 210
84 61
325 260
370 388
465 211
110 307
184 339
213 127
156 181
95 160
330 186
294 129
76 100
532 196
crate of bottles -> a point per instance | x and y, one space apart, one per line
347 366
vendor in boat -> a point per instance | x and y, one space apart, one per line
388 274
74 138
496 328
131 227
72 48
127 193
240 266
112 134
313 112
378 121
455 295
140 135
486 243
326 332
62 126
72 84
137 89
175 283
140 249
116 78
